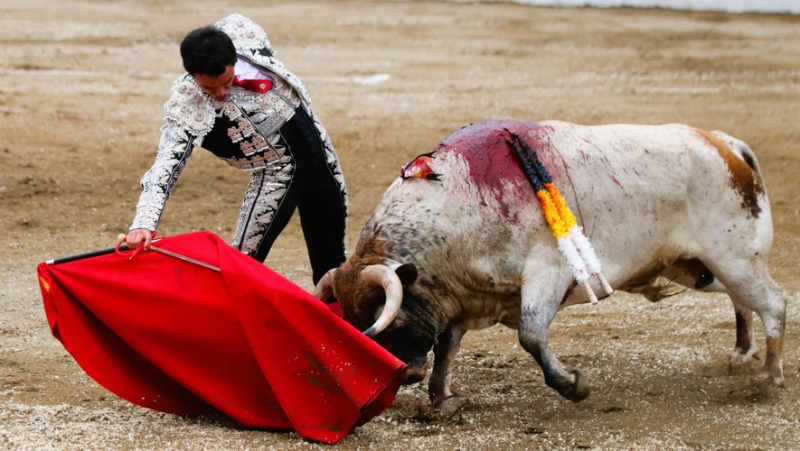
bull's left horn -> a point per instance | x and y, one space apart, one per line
385 277
324 288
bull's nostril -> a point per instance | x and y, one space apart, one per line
414 375
413 379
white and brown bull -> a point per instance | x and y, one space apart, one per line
438 258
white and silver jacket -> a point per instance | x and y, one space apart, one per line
190 115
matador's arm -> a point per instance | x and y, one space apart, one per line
174 149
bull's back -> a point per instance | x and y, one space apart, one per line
590 165
636 164
574 152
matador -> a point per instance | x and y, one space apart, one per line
239 102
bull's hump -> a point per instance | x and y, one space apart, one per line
483 145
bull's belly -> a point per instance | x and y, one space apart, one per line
480 312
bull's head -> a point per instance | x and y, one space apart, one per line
377 300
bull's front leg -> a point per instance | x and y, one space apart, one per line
444 353
543 288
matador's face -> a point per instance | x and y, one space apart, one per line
217 87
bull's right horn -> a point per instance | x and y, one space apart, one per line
324 288
385 277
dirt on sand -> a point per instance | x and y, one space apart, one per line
82 85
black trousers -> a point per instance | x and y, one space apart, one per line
314 192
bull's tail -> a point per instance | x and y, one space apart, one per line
572 242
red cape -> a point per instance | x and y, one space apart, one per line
180 338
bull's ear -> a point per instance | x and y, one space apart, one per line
407 273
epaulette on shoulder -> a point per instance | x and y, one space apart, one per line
247 36
188 106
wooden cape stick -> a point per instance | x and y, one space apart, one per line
125 247
72 258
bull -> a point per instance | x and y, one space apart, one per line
438 258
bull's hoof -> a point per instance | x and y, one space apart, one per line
578 390
773 375
740 356
449 406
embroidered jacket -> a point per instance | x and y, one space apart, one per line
251 119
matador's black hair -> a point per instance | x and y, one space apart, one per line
207 51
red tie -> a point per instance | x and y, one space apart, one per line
254 85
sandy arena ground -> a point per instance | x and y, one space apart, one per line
82 85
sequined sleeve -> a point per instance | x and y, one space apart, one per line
174 149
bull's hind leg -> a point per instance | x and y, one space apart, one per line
692 273
543 288
746 348
752 289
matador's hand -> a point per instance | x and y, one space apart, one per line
139 237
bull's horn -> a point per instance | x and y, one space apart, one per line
385 277
324 288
